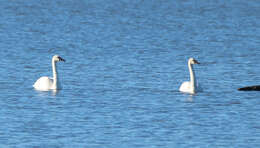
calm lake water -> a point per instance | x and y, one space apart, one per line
125 61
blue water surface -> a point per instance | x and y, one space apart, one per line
125 61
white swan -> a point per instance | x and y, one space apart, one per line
190 86
46 83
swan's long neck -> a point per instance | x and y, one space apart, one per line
55 75
192 77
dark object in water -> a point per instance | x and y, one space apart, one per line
250 88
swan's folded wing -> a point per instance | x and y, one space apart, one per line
43 83
185 87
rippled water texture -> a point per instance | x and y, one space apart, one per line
125 61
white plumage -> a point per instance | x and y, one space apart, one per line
190 86
46 83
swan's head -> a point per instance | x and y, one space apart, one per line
57 58
193 61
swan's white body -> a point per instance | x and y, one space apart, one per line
190 86
46 83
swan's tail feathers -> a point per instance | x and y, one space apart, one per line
250 88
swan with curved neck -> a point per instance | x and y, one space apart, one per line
190 86
46 83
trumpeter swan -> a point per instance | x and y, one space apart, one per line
46 83
190 86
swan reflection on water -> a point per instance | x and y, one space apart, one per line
190 98
47 93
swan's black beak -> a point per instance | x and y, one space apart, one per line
196 62
61 59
